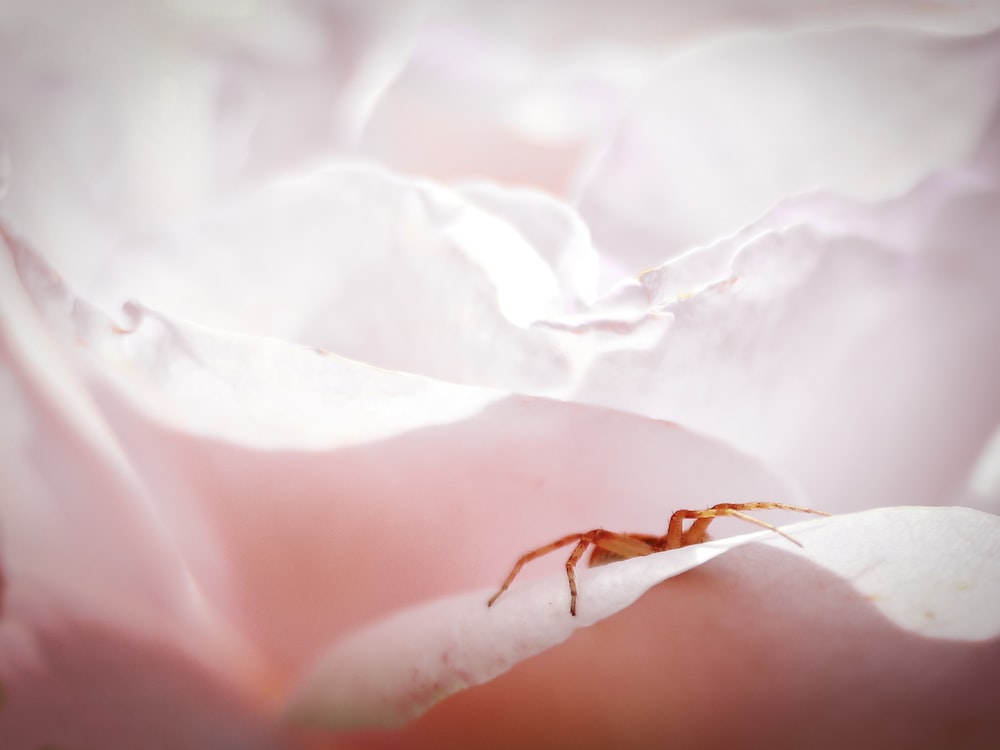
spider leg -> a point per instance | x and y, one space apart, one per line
611 545
571 562
536 553
676 537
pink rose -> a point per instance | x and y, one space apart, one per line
315 316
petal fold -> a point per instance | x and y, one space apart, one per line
929 571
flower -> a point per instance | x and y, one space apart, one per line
315 316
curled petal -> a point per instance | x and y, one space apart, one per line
492 273
837 333
725 132
929 571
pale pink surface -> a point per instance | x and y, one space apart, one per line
319 412
272 570
897 559
265 514
255 420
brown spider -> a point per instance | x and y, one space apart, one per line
610 546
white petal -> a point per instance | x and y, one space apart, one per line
929 571
397 273
530 93
142 114
842 341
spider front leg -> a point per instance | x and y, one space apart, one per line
620 546
536 553
676 537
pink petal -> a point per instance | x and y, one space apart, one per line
307 494
270 498
71 681
931 572
89 508
755 648
98 602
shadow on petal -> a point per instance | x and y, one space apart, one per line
76 684
754 649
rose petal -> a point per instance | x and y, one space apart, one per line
405 258
166 434
726 132
755 647
91 574
528 94
278 468
69 681
72 504
929 571
833 334
868 305
553 230
139 115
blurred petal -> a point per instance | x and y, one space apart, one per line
528 93
89 510
97 599
836 333
983 485
724 133
933 572
70 681
123 117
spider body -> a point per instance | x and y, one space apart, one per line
611 546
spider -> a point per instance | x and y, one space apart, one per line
610 546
